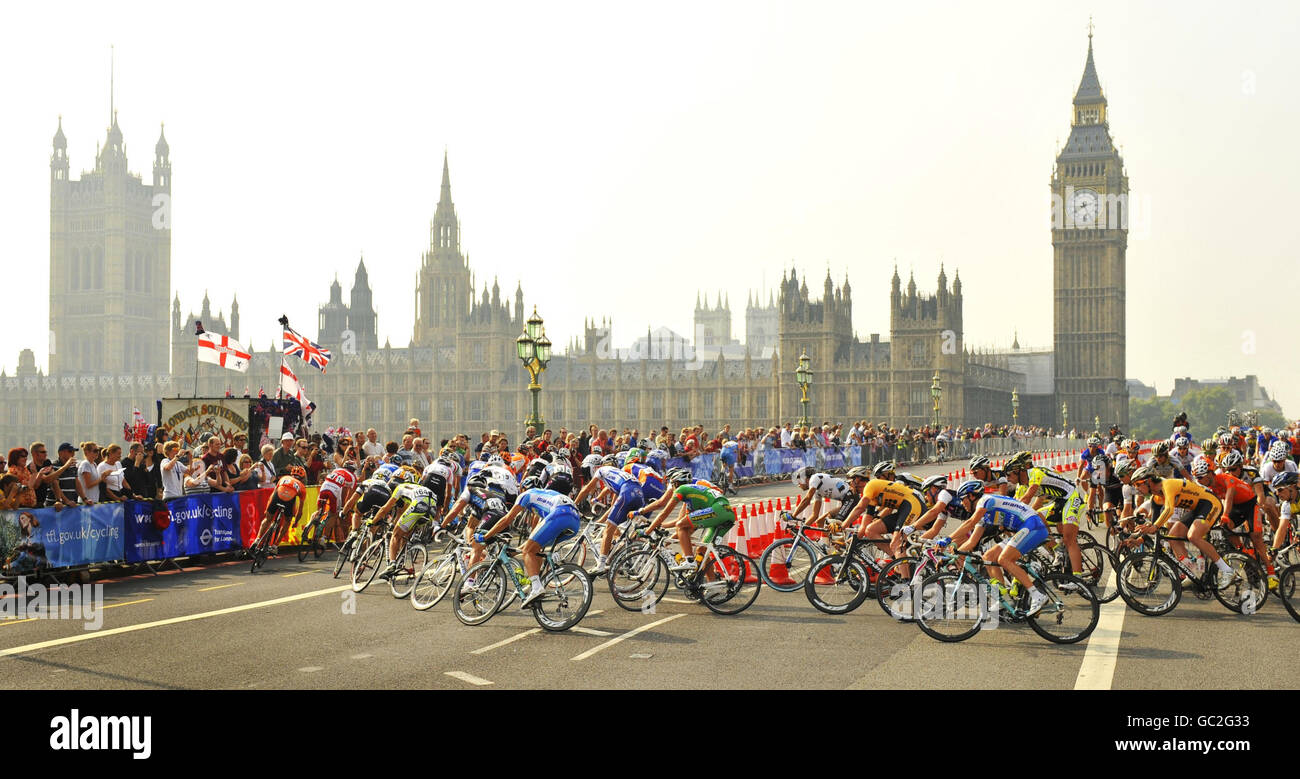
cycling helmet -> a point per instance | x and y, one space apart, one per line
909 480
1284 479
887 466
407 475
1132 444
1182 441
530 483
979 461
1265 431
564 452
1145 473
447 461
1200 468
1019 461
597 450
860 472
1161 448
1232 460
478 482
1227 441
968 488
1278 452
1207 445
801 476
620 459
939 481
1094 441
298 472
1125 467
635 455
610 459
496 459
1100 461
678 476
546 457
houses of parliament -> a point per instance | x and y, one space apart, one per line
110 278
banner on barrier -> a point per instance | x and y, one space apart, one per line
195 524
252 509
47 538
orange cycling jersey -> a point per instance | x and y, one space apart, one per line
891 495
1183 494
288 489
1241 491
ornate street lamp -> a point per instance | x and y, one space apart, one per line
804 376
936 393
534 350
1065 416
1096 425
1015 406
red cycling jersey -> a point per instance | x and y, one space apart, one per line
288 489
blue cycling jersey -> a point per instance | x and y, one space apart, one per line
545 502
1006 513
613 477
652 484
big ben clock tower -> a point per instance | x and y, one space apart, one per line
1089 241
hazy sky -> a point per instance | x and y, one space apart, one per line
615 158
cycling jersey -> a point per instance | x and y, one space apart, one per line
517 464
893 495
338 483
558 515
1051 485
730 450
709 509
1270 470
387 471
1184 494
420 504
613 477
821 484
652 484
289 489
1223 483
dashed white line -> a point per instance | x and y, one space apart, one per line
591 631
470 678
1098 668
311 669
625 636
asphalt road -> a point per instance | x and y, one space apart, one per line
293 626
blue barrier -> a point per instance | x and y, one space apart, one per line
70 537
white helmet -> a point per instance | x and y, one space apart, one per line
1278 451
801 476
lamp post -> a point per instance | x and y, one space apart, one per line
1096 425
534 350
1015 406
1233 416
1252 419
936 393
804 375
1065 416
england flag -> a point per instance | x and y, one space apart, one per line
224 351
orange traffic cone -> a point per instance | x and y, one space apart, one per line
787 502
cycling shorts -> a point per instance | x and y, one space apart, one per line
331 497
372 501
561 483
562 520
898 517
728 456
1202 510
279 504
629 498
420 511
1114 494
1073 509
717 517
435 483
1243 513
1029 536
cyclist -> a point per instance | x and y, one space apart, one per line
652 484
1182 454
703 507
557 516
895 504
441 477
1054 497
1240 501
728 454
626 490
1008 514
1288 496
286 499
657 459
1166 465
981 468
558 475
418 503
818 487
335 490
1204 509
941 505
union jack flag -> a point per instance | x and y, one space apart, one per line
313 353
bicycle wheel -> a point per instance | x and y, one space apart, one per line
638 579
896 583
785 564
1098 571
567 596
1249 590
345 553
310 535
837 586
480 593
1071 612
573 550
258 551
1149 584
950 607
368 564
735 585
1290 598
435 580
409 565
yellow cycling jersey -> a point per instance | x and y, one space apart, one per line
892 495
1182 494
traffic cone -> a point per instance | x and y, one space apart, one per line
787 502
778 573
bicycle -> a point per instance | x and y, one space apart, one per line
1287 591
797 554
482 591
439 575
354 545
411 558
838 584
943 604
1152 583
261 548
721 476
635 576
311 534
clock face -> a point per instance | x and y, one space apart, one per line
1084 206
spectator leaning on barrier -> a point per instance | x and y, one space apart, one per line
110 475
26 495
42 478
88 474
66 484
285 456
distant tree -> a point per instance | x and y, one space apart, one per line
1149 419
1207 408
1273 419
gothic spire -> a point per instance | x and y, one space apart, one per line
1089 86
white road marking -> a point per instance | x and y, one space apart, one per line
311 669
471 678
220 587
510 640
5 622
300 573
625 636
361 656
17 650
680 600
591 631
1098 668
